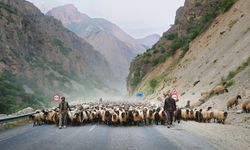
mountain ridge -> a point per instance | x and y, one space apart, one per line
44 57
117 46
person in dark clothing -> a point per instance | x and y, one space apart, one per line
63 109
169 108
188 105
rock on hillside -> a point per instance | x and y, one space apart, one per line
45 57
117 47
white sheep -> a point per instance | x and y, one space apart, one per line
244 105
220 116
233 101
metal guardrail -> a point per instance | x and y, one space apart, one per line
9 118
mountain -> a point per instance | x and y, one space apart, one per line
207 46
39 57
117 47
149 40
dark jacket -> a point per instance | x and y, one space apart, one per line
169 104
64 106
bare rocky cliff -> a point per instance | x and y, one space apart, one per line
46 57
220 53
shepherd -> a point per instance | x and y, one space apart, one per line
169 107
63 110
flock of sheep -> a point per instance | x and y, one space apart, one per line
125 114
128 113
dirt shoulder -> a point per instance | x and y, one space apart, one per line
226 137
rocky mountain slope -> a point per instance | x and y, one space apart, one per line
193 58
149 40
118 47
43 57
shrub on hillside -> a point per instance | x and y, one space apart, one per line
224 5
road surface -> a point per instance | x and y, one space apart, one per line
101 137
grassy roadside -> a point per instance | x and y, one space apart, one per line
14 123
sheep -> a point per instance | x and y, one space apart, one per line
115 119
191 114
137 118
84 117
233 101
248 108
185 114
156 117
74 117
198 115
144 111
207 115
123 118
38 118
220 116
130 117
99 115
177 115
52 117
244 105
219 89
150 116
163 116
206 94
106 117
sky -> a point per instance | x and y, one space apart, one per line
138 18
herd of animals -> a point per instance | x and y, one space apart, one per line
128 113
230 102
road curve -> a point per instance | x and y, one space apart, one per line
101 137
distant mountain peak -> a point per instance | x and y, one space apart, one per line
68 13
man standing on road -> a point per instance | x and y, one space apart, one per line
169 108
63 110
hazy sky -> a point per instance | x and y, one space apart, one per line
138 18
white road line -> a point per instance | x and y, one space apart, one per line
7 138
92 128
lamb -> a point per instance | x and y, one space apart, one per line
244 105
233 101
220 116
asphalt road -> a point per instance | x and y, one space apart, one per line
101 137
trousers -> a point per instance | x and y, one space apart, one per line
63 118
